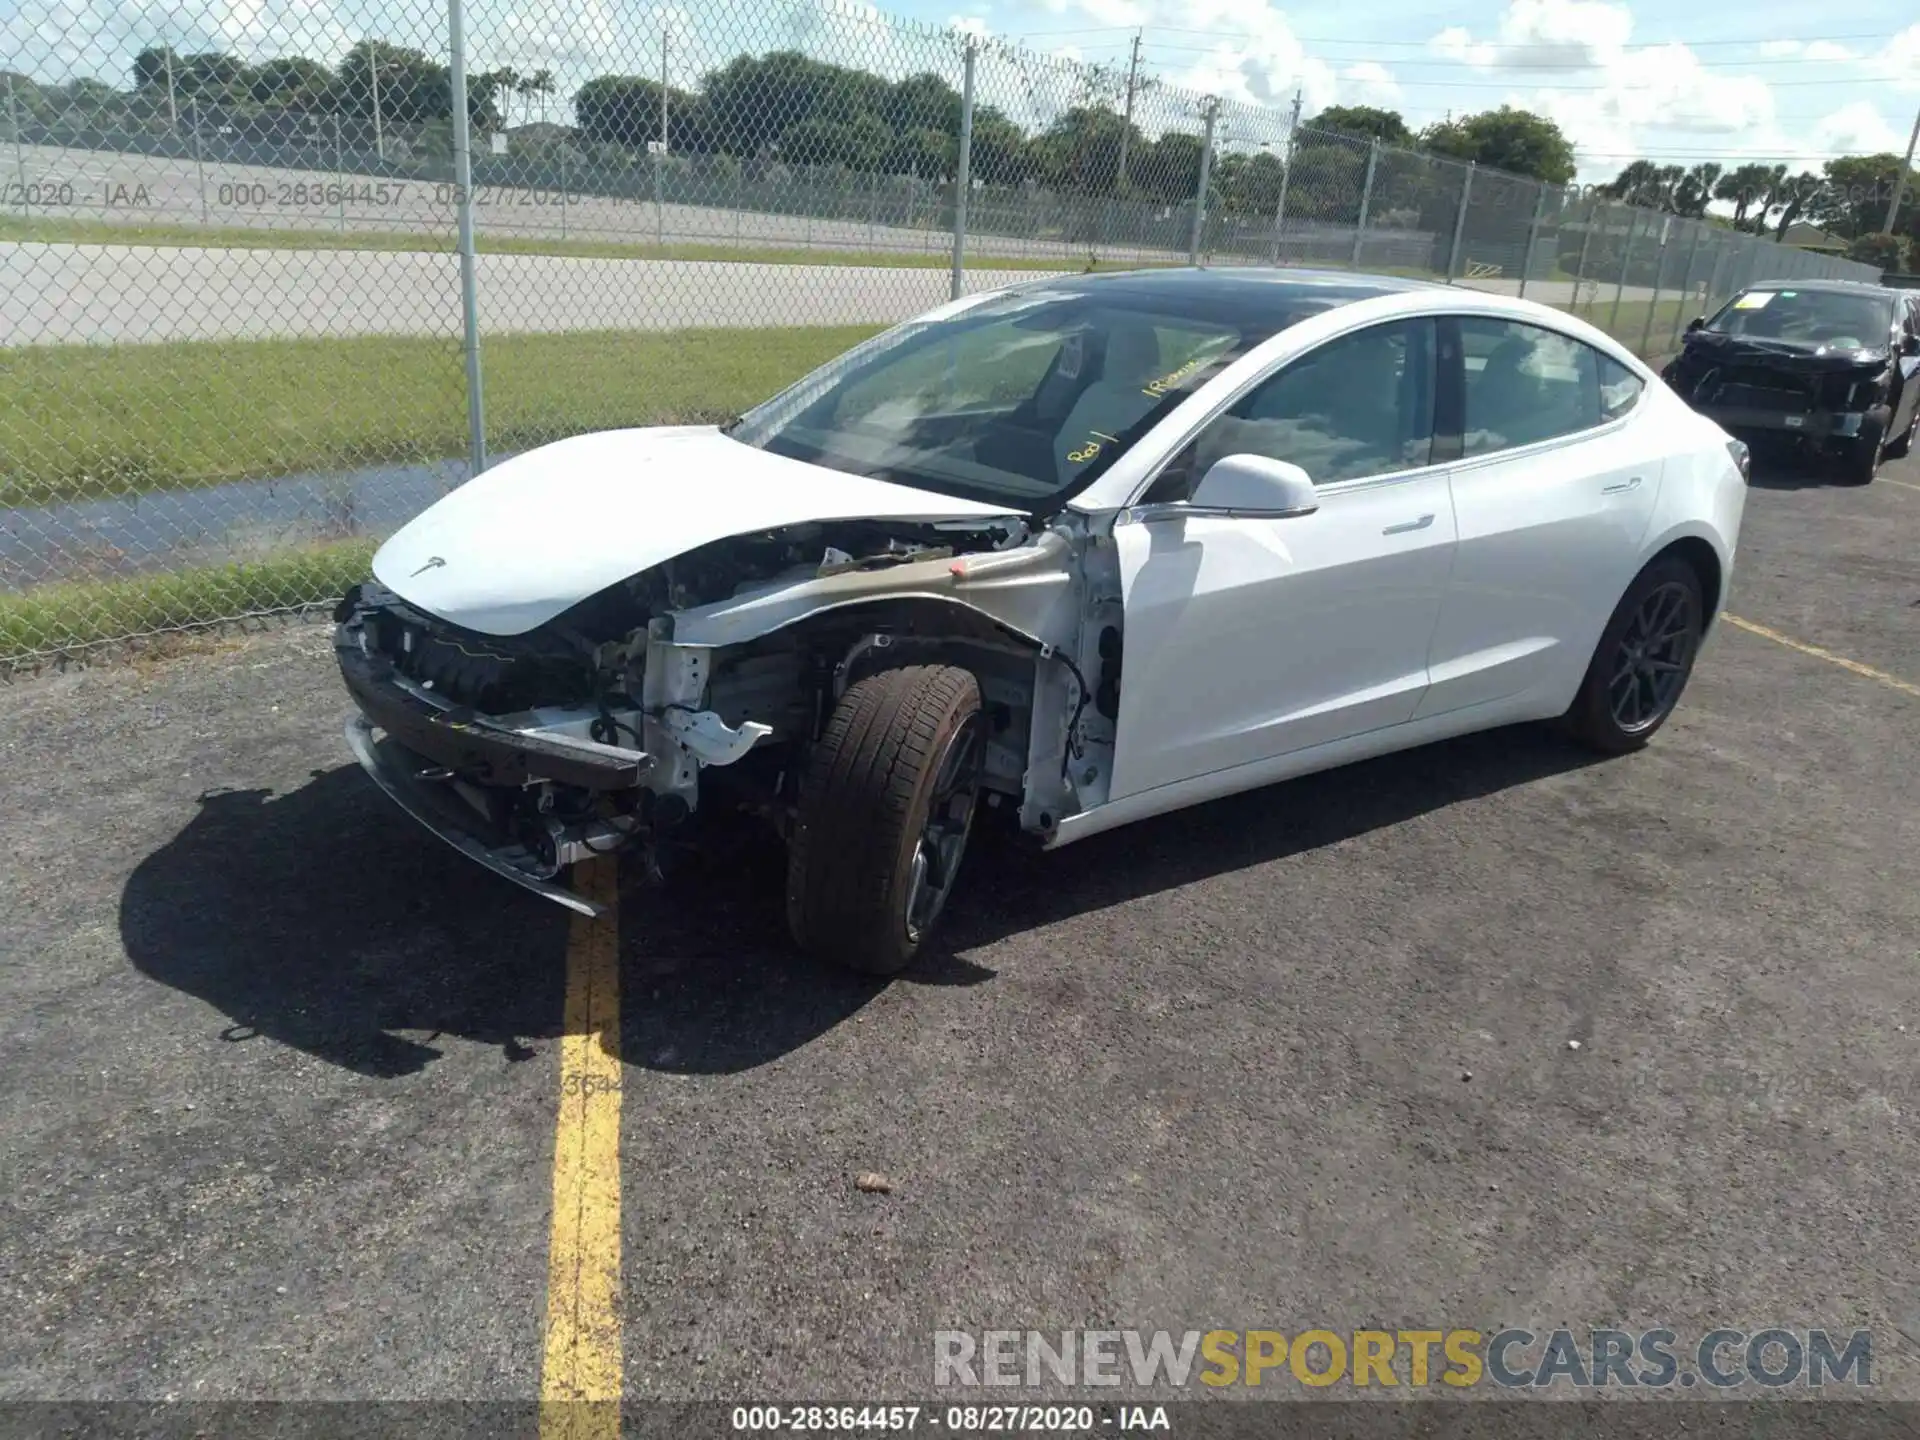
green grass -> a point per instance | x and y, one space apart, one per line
100 232
91 421
1631 322
80 422
64 618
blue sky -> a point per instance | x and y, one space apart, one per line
1676 82
1710 79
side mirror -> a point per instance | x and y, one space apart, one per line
1698 322
1256 487
1910 345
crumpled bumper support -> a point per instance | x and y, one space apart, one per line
396 771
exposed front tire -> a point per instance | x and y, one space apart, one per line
1860 460
1900 448
1643 660
886 805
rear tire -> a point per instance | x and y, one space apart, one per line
886 805
1641 665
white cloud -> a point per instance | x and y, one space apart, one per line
1370 83
1544 35
1899 61
1858 128
1806 50
1118 13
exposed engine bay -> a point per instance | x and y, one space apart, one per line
698 684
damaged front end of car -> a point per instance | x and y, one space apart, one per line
1825 397
698 685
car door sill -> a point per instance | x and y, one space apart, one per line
1178 794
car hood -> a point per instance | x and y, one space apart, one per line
536 534
1705 347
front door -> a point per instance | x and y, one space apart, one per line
1251 638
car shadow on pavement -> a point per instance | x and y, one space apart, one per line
326 920
712 984
1786 469
1005 891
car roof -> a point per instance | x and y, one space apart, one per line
1257 292
1835 287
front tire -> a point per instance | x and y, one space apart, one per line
1860 460
1642 663
886 805
1901 448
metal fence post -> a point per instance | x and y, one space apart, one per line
1533 238
1580 265
339 173
379 135
1460 224
564 150
1280 206
463 201
1366 200
1206 178
199 167
1626 261
1686 283
1659 269
1713 275
963 172
19 150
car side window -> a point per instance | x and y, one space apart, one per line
1620 388
1525 384
1359 405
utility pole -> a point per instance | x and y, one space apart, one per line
1126 131
1900 180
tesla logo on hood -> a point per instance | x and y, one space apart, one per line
434 562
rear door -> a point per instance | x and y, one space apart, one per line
1553 491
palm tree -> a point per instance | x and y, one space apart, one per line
540 83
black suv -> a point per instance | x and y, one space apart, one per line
1831 365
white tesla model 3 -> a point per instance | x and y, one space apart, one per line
1091 548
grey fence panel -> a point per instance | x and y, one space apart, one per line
209 406
243 341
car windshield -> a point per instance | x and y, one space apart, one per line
1023 399
1807 317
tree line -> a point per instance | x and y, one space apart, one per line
1847 197
787 107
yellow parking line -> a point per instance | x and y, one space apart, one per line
1855 666
580 1372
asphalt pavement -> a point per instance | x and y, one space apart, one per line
280 1076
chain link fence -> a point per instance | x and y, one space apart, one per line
273 280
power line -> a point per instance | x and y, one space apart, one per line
1572 66
1628 84
1524 44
